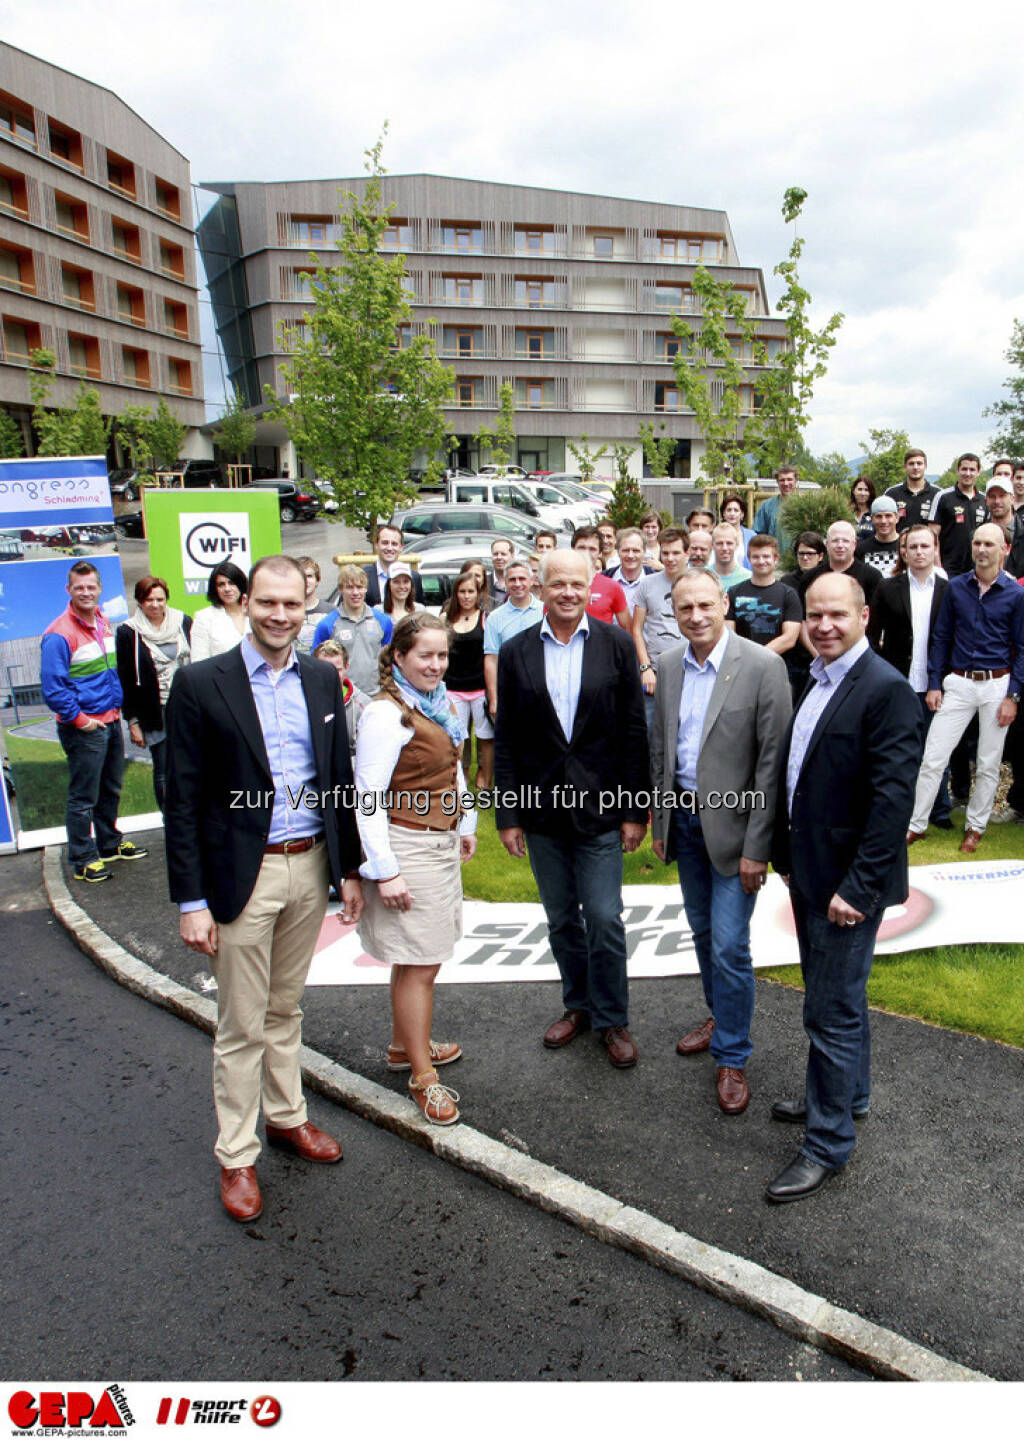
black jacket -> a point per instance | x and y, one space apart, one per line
891 627
137 674
219 787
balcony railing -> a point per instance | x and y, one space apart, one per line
20 212
23 287
86 372
129 318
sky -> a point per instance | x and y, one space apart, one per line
902 121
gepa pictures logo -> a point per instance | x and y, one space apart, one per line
70 1410
206 540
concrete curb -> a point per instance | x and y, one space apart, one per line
809 1317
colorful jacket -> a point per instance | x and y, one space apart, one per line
79 671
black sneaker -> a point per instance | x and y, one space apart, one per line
127 850
94 872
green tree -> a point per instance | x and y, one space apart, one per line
135 432
361 404
91 427
12 441
167 435
812 510
586 458
884 453
828 470
786 385
236 429
1009 438
716 399
657 452
627 505
80 430
500 439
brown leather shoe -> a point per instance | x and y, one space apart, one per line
913 836
307 1142
240 1193
733 1090
621 1047
970 842
572 1023
697 1040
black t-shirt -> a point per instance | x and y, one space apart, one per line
760 610
466 658
958 517
884 555
867 577
914 508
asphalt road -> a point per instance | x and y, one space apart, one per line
391 1266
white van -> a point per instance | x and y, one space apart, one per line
488 490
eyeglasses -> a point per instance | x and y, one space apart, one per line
807 554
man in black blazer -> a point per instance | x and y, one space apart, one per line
846 791
256 823
572 775
903 615
388 546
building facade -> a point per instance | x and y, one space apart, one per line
566 297
97 248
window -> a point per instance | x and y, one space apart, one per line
176 318
65 145
742 349
78 288
131 305
535 292
463 289
464 236
309 230
403 337
464 341
667 345
533 344
72 217
172 260
135 367
120 174
168 198
17 271
181 376
669 247
397 236
127 241
534 239
536 394
21 337
669 297
666 397
16 119
13 195
84 356
465 392
604 246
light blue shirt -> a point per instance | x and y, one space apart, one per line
284 720
563 671
828 679
508 620
698 683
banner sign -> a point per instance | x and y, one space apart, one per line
977 902
55 492
192 531
33 593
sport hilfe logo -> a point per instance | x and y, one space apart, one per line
71 1410
263 1411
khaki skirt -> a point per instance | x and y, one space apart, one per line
426 933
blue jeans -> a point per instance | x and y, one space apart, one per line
95 769
158 755
836 962
580 882
941 810
718 911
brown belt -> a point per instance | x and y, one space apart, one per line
293 847
983 674
425 829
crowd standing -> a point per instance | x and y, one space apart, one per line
833 693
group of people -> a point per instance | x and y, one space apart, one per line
635 678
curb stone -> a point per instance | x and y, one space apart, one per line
800 1313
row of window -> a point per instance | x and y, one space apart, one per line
136 365
78 287
551 344
64 143
547 394
472 237
71 218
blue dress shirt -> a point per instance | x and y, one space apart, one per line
698 683
828 679
563 671
978 632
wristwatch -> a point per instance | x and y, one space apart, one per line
646 667
1014 695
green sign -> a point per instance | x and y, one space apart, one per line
192 531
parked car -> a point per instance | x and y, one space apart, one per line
581 511
196 474
514 494
429 546
296 503
432 516
129 526
514 472
129 484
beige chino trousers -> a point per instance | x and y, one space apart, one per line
261 965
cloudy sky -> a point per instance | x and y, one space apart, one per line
902 120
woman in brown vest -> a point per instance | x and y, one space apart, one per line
415 830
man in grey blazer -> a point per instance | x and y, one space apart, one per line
722 706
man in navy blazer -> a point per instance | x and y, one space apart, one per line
572 775
388 546
846 790
256 824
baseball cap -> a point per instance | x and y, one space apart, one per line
884 505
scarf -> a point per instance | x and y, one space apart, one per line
434 704
171 632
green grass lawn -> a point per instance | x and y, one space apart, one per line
41 775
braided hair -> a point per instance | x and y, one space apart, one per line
405 635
